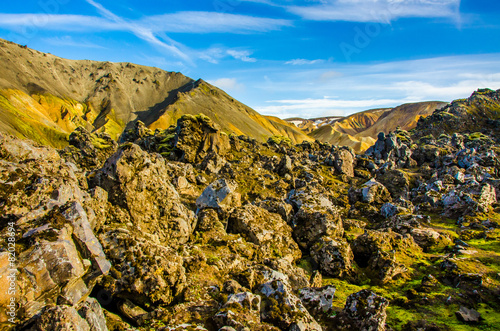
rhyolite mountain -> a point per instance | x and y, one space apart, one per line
44 98
359 131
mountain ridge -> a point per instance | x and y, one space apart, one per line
45 97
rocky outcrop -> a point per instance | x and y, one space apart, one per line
384 254
197 136
89 150
268 231
142 195
316 217
334 256
364 310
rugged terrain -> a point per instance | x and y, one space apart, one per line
188 228
359 131
44 98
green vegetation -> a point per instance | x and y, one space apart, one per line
279 140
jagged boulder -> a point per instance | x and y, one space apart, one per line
343 161
384 254
334 256
318 300
89 150
61 318
397 183
414 225
140 190
316 217
285 166
146 272
371 192
280 306
92 312
268 231
242 310
197 136
363 311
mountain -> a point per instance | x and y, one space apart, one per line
360 130
44 97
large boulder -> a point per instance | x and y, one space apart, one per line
384 254
140 190
267 230
89 150
316 217
61 318
334 256
397 183
242 310
371 192
145 272
363 311
318 300
197 136
343 161
280 306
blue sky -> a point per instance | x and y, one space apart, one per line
285 58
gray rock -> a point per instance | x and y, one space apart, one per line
468 315
86 238
318 301
334 256
220 194
91 311
363 311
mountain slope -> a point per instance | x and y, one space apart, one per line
360 130
45 97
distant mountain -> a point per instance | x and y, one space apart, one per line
44 97
360 130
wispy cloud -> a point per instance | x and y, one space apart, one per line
241 55
382 11
324 106
142 32
212 22
299 62
216 54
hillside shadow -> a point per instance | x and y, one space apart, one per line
153 113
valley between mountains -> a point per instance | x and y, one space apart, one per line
139 199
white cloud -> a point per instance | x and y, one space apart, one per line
215 54
382 11
142 32
325 106
210 22
241 55
299 62
185 22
